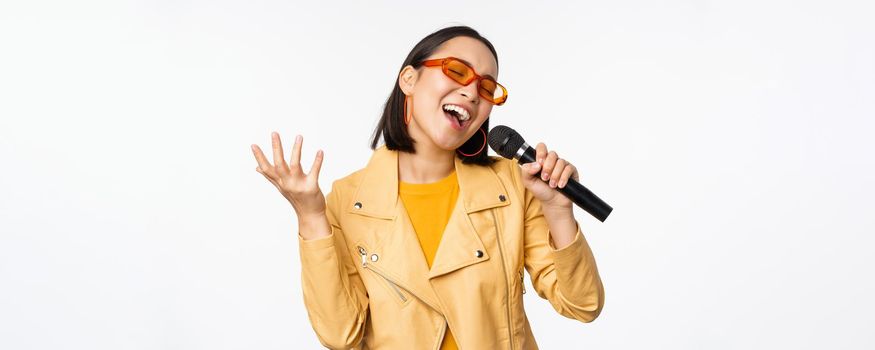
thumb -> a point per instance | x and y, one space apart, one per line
531 168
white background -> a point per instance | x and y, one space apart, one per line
733 138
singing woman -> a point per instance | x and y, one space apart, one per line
425 247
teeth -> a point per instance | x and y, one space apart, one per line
463 114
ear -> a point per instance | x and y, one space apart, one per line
407 79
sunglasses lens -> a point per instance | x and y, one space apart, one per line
492 90
458 71
487 87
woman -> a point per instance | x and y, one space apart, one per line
424 248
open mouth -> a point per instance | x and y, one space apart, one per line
457 115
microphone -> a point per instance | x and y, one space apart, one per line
509 144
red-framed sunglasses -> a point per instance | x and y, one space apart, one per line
462 73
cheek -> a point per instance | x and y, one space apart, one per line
435 84
424 104
428 95
484 111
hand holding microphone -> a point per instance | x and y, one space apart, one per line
556 175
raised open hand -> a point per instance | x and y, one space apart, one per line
300 189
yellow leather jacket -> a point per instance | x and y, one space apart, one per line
367 284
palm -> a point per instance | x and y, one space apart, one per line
299 188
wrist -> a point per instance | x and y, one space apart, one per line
557 211
311 216
313 226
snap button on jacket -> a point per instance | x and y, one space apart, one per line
367 284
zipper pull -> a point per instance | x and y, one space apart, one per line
364 255
522 282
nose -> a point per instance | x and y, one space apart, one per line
470 91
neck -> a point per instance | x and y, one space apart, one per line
428 164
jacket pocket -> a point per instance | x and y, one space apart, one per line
392 288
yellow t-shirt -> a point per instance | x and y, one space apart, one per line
429 207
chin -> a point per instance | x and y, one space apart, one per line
449 145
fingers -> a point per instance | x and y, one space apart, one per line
569 172
273 172
556 173
278 159
555 170
540 152
264 165
295 161
313 176
549 164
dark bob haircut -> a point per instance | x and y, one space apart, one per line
391 125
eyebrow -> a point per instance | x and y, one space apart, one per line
471 65
465 62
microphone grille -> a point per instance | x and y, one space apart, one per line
505 141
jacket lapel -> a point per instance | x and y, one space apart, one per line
479 189
400 255
395 242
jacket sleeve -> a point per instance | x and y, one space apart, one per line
566 277
334 294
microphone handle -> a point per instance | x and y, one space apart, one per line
577 193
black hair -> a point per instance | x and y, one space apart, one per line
391 125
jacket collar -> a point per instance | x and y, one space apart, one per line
479 186
400 255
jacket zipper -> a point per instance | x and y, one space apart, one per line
504 268
364 255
